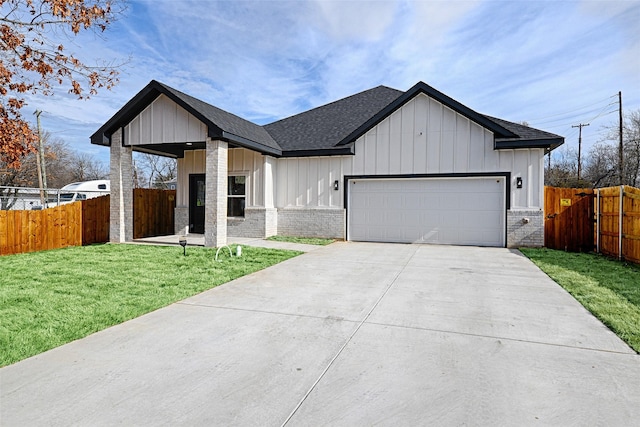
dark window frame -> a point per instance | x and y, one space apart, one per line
236 201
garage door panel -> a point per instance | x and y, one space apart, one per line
465 211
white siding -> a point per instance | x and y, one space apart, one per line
164 121
241 161
308 182
422 137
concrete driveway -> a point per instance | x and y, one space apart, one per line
350 334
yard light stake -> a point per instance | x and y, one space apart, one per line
183 243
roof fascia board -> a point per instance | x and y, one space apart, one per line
137 104
247 143
125 114
343 151
551 143
424 88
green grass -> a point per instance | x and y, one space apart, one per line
305 240
607 288
51 298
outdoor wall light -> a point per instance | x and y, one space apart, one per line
519 182
336 185
183 243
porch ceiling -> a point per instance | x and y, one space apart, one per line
175 150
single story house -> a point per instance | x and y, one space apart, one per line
382 165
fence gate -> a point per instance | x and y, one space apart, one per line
569 219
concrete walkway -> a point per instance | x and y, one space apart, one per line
349 334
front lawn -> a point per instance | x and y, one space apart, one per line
607 288
53 297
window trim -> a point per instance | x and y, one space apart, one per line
244 196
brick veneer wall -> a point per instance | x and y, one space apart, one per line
521 233
303 222
121 200
257 222
181 220
215 208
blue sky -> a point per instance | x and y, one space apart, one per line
551 63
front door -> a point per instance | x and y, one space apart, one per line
196 203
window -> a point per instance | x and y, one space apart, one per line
236 190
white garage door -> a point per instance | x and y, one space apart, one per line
455 211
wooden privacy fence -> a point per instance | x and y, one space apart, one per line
83 223
73 224
606 220
153 212
618 222
95 220
568 214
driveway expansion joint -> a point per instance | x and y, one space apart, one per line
280 313
502 338
348 340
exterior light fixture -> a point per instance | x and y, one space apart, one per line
336 185
183 243
519 182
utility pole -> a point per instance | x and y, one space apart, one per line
620 148
42 167
581 125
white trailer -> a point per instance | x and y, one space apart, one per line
84 190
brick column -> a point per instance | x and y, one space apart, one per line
121 200
215 208
271 213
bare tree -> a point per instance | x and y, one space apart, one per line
564 170
158 171
600 165
85 167
631 146
63 167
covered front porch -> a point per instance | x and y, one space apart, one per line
225 165
209 204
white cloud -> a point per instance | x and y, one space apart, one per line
264 60
353 21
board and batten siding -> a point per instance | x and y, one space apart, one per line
308 182
421 137
240 162
164 121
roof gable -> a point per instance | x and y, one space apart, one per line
221 124
424 88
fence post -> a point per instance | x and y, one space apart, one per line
597 220
620 222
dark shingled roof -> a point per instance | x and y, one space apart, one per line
229 123
221 124
323 127
326 130
526 134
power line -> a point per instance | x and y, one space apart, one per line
576 109
569 118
